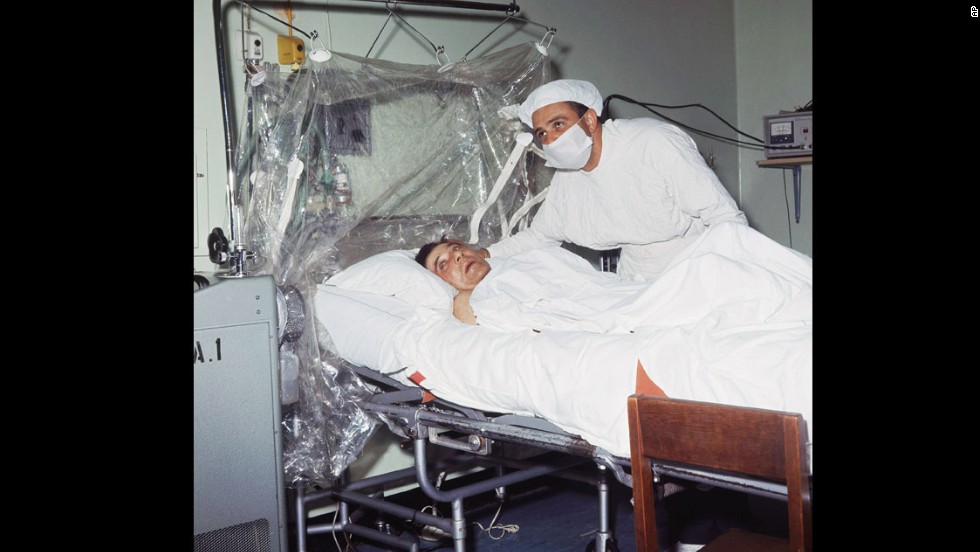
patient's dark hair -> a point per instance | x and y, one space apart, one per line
427 248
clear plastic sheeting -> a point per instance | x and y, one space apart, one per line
349 157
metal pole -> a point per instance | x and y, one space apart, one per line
459 527
796 189
603 534
509 8
300 520
226 117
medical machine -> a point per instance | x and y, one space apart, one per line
789 134
239 501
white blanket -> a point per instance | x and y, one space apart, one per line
728 321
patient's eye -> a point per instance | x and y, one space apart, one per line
441 265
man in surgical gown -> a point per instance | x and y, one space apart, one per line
636 184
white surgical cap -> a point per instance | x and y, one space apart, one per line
564 90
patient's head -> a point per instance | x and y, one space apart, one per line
455 262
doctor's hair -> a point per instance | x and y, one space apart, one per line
578 108
424 251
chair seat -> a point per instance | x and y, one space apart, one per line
739 540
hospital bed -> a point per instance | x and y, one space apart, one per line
459 168
504 448
482 441
376 332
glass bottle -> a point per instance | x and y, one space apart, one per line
342 190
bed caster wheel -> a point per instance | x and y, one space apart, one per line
610 546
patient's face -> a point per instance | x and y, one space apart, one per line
458 264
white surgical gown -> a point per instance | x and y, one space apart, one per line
651 194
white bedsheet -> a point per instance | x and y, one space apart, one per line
730 272
729 321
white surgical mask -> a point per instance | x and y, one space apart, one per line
570 151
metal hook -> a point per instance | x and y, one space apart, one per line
551 33
442 50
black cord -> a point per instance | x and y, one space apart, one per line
646 105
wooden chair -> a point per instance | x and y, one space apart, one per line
749 442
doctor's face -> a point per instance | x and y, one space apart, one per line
553 120
458 264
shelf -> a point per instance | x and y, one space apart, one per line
786 161
793 163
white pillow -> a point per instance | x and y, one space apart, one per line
395 273
362 325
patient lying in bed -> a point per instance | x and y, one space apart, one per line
729 321
737 272
733 289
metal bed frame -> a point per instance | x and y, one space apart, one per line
479 436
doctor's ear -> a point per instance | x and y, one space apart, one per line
591 119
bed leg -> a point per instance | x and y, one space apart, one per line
459 527
603 537
300 520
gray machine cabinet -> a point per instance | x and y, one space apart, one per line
239 502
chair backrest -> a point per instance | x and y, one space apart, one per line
753 442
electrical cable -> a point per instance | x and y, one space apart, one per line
646 105
504 529
334 533
326 13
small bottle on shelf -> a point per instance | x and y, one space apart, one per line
343 197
